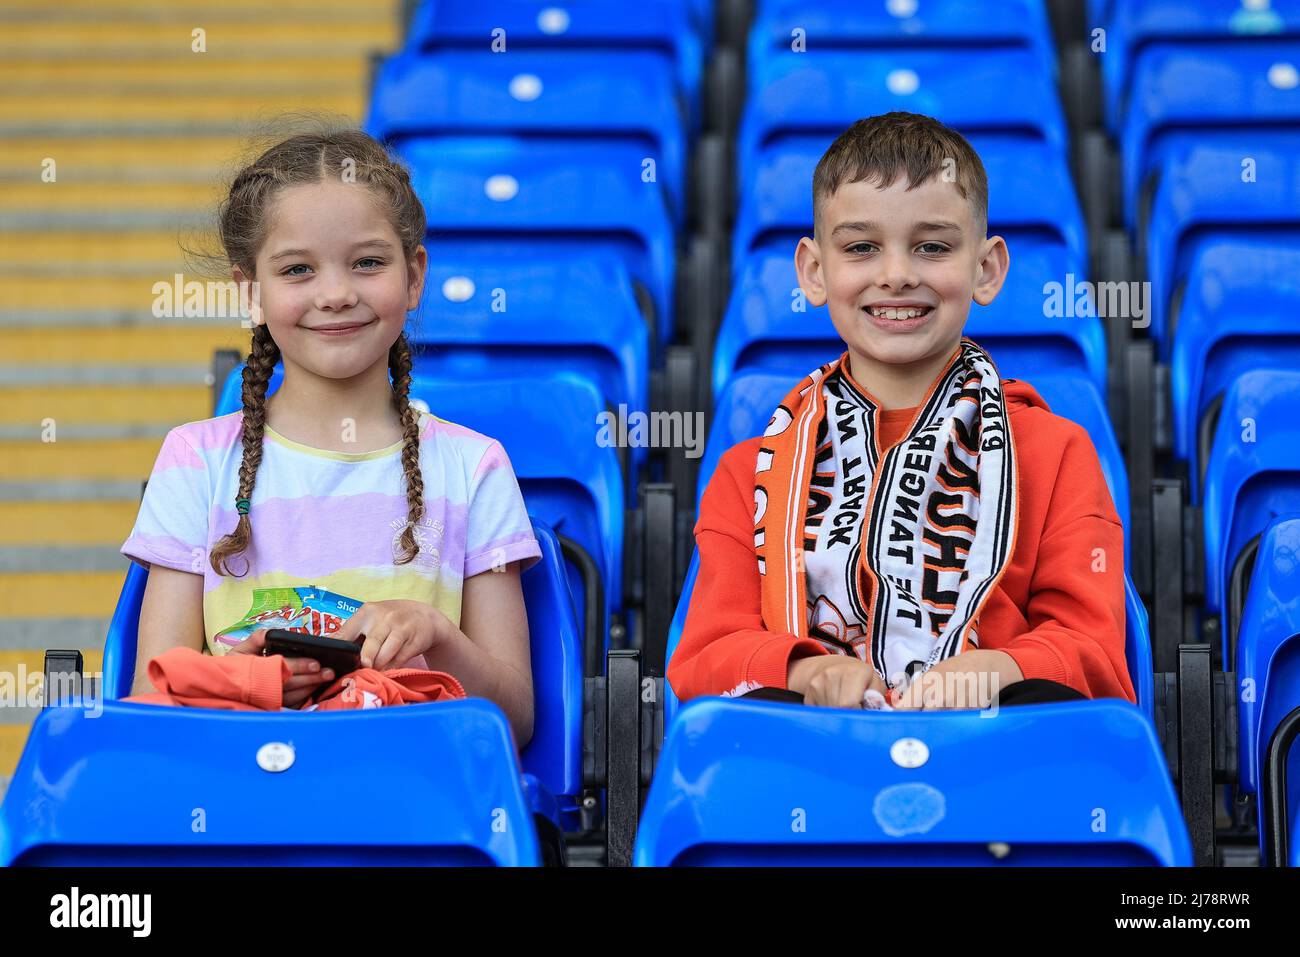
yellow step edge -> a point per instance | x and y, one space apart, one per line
83 248
220 32
61 594
107 71
136 107
72 459
102 404
188 7
194 199
97 150
136 345
133 294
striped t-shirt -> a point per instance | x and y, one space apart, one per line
328 524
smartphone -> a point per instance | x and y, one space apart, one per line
342 656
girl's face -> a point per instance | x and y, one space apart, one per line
899 269
332 259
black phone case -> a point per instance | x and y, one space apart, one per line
342 656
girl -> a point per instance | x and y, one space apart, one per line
368 520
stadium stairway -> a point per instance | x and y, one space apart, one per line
116 133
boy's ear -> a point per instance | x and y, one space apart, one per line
417 268
995 260
249 297
808 267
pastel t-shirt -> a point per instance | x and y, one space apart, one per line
326 526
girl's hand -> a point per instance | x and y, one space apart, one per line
395 631
305 673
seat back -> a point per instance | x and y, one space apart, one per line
1268 667
1187 90
510 197
823 91
481 318
1252 477
662 27
1238 313
121 783
1233 183
538 94
949 25
927 788
1137 25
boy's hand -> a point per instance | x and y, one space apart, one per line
834 681
395 631
305 673
971 679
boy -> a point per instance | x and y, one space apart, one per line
909 529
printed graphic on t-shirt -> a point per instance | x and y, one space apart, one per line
310 610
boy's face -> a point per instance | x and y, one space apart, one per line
899 269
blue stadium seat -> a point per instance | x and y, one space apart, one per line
1137 26
1238 313
665 28
743 412
1246 186
482 317
620 102
1252 477
1268 664
823 91
98 788
954 26
1190 95
863 788
511 199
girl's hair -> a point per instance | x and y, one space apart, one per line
305 159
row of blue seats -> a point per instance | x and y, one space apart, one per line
487 813
1265 653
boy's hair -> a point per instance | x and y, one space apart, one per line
243 224
881 148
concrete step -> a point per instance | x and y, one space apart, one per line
122 293
118 154
84 459
123 374
100 110
172 342
72 407
173 36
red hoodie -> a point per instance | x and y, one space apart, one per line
1058 610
